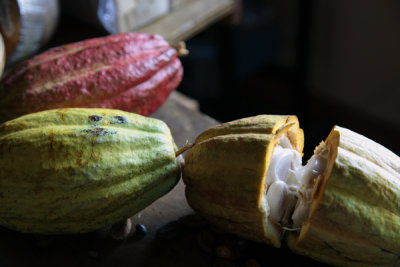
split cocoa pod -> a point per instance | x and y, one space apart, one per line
78 170
133 71
342 207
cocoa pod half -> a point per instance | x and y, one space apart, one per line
134 72
224 174
354 218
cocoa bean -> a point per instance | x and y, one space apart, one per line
141 230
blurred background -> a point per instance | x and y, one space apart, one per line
328 62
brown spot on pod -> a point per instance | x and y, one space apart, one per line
119 119
95 118
99 131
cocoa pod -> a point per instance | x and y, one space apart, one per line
78 170
355 210
134 72
341 208
225 170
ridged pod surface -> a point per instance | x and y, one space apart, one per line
134 72
225 173
355 211
354 205
78 170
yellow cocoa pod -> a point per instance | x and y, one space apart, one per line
342 207
225 171
78 170
355 210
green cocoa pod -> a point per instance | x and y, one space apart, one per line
225 171
354 217
78 170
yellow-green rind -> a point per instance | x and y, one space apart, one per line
261 124
225 173
78 170
355 213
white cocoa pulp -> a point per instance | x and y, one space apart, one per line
290 184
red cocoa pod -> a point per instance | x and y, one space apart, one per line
134 72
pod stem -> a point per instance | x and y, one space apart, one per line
181 49
183 149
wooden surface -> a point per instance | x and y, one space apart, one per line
188 18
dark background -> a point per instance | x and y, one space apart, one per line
328 62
